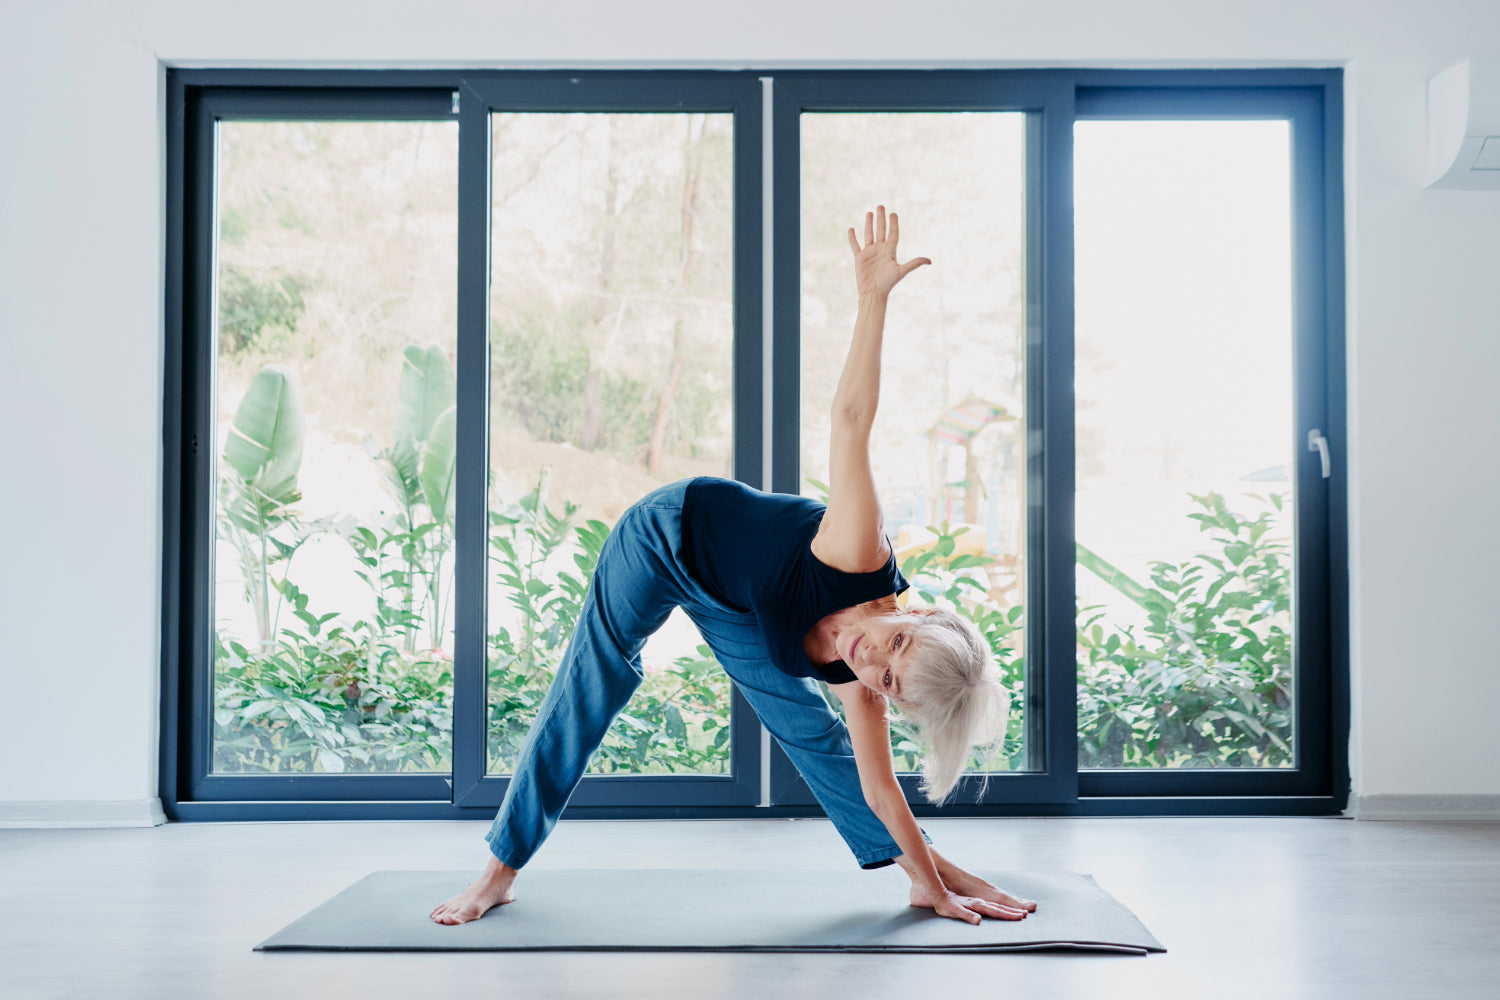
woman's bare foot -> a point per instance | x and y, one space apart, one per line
489 890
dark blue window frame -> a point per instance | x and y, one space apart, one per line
1310 99
1310 104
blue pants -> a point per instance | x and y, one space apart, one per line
638 581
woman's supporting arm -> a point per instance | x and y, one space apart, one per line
870 734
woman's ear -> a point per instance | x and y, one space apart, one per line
926 610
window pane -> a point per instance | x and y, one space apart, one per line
610 374
335 333
1184 431
948 448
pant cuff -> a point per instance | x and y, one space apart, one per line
503 855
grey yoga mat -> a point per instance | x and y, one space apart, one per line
709 910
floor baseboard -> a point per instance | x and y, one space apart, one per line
1438 807
96 813
81 813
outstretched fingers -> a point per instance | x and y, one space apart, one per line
996 910
983 890
974 910
853 241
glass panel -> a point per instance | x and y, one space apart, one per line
1184 431
336 298
948 447
610 374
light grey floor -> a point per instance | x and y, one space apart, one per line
1252 907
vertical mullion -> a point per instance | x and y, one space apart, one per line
1036 724
786 278
1058 620
471 501
784 782
768 358
749 378
198 394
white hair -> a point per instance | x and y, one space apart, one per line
953 693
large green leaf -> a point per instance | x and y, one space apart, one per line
265 441
1146 597
438 464
428 388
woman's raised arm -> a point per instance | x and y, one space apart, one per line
851 536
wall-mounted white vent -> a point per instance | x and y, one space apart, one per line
1463 125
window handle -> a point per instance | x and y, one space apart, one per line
1318 443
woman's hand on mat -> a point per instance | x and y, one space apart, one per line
875 269
970 908
967 884
979 889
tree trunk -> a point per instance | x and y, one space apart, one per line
591 430
656 446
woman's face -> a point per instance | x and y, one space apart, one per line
876 649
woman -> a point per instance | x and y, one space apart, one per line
783 590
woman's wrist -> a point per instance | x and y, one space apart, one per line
931 882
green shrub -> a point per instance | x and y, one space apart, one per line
350 698
1205 683
1208 681
339 701
679 718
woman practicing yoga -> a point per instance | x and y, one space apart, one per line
784 590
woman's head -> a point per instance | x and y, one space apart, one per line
941 673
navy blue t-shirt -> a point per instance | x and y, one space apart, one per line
753 551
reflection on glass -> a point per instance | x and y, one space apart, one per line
335 266
610 374
948 447
1184 430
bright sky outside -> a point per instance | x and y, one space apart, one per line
1183 374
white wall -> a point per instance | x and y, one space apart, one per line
81 251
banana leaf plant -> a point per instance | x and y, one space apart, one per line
258 486
419 465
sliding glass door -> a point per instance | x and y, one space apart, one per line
1202 443
970 384
605 312
429 334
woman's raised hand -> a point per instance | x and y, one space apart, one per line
875 269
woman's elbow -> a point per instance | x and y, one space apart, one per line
852 417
